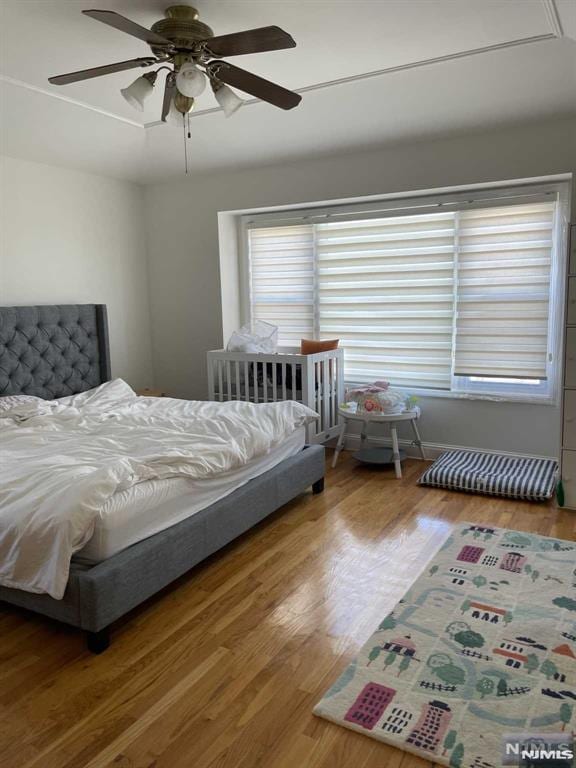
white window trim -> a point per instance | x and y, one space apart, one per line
477 195
407 204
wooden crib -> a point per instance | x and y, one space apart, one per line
315 380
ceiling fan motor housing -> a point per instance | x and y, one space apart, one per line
182 27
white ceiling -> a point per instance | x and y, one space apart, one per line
89 125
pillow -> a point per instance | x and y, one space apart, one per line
13 401
310 347
115 392
22 407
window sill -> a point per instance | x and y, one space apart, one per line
448 394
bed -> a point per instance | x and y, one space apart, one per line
62 350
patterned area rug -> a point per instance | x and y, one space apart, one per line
483 644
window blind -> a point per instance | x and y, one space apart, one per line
503 291
385 289
428 299
282 265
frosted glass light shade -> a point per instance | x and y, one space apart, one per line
190 81
228 100
138 92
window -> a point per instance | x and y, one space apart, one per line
458 294
282 280
504 298
385 288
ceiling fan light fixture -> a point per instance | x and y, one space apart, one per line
137 93
227 99
174 117
190 81
183 104
188 49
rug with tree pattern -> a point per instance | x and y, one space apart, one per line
483 644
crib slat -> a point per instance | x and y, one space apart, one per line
228 380
308 393
210 378
294 388
255 378
318 395
265 382
246 382
340 380
284 381
238 393
332 392
220 386
274 391
325 396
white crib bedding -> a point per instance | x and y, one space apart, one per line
152 506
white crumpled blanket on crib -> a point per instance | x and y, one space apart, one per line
61 461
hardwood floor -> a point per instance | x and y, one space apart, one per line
222 669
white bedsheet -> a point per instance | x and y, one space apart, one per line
62 462
154 505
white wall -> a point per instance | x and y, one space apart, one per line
184 258
69 237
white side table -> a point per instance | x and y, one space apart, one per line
371 417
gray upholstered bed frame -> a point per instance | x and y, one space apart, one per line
52 351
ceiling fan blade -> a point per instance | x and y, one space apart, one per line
108 69
123 24
254 85
168 94
249 41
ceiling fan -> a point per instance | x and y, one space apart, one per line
188 50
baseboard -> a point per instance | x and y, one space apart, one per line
432 450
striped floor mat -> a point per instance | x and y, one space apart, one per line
508 476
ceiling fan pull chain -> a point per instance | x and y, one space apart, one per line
185 144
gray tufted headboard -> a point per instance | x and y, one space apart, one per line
54 350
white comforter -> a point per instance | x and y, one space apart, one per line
60 462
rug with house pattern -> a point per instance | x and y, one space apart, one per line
483 644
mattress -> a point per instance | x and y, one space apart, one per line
509 476
152 506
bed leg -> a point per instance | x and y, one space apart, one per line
98 641
318 486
